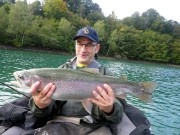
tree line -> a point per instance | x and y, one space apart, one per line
52 24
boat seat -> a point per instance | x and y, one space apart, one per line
125 127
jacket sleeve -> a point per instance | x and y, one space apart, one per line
116 116
40 112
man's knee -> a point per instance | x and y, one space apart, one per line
15 130
101 131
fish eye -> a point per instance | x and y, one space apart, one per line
21 77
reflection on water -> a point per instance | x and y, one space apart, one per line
163 112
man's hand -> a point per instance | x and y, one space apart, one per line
104 98
42 98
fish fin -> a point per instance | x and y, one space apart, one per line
87 105
16 83
146 97
91 70
123 77
122 96
148 87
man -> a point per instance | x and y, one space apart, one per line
106 109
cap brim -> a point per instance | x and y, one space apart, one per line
76 37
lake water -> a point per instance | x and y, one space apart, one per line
163 112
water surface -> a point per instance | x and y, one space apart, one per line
163 112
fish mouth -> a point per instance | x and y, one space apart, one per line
16 83
15 75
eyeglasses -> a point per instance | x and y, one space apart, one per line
87 46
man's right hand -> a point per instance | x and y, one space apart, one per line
42 97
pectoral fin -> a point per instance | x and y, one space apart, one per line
146 97
123 77
148 87
16 83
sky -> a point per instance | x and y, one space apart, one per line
169 9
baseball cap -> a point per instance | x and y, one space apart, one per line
87 32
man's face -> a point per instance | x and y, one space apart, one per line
85 50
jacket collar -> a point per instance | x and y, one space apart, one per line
93 64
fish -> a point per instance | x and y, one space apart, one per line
79 84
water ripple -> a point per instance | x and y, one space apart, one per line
163 112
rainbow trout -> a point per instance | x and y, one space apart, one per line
79 84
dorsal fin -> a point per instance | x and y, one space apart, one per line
91 70
123 77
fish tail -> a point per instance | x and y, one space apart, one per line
146 97
148 87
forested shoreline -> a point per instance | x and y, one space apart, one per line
53 23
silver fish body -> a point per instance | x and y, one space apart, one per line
79 84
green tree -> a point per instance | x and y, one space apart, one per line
148 18
9 1
65 34
89 7
168 27
48 33
175 55
99 26
4 19
111 24
125 42
158 24
55 8
3 24
176 31
157 46
77 21
20 17
83 7
73 5
37 8
34 34
52 25
111 51
94 17
136 20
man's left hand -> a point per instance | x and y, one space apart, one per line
104 98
